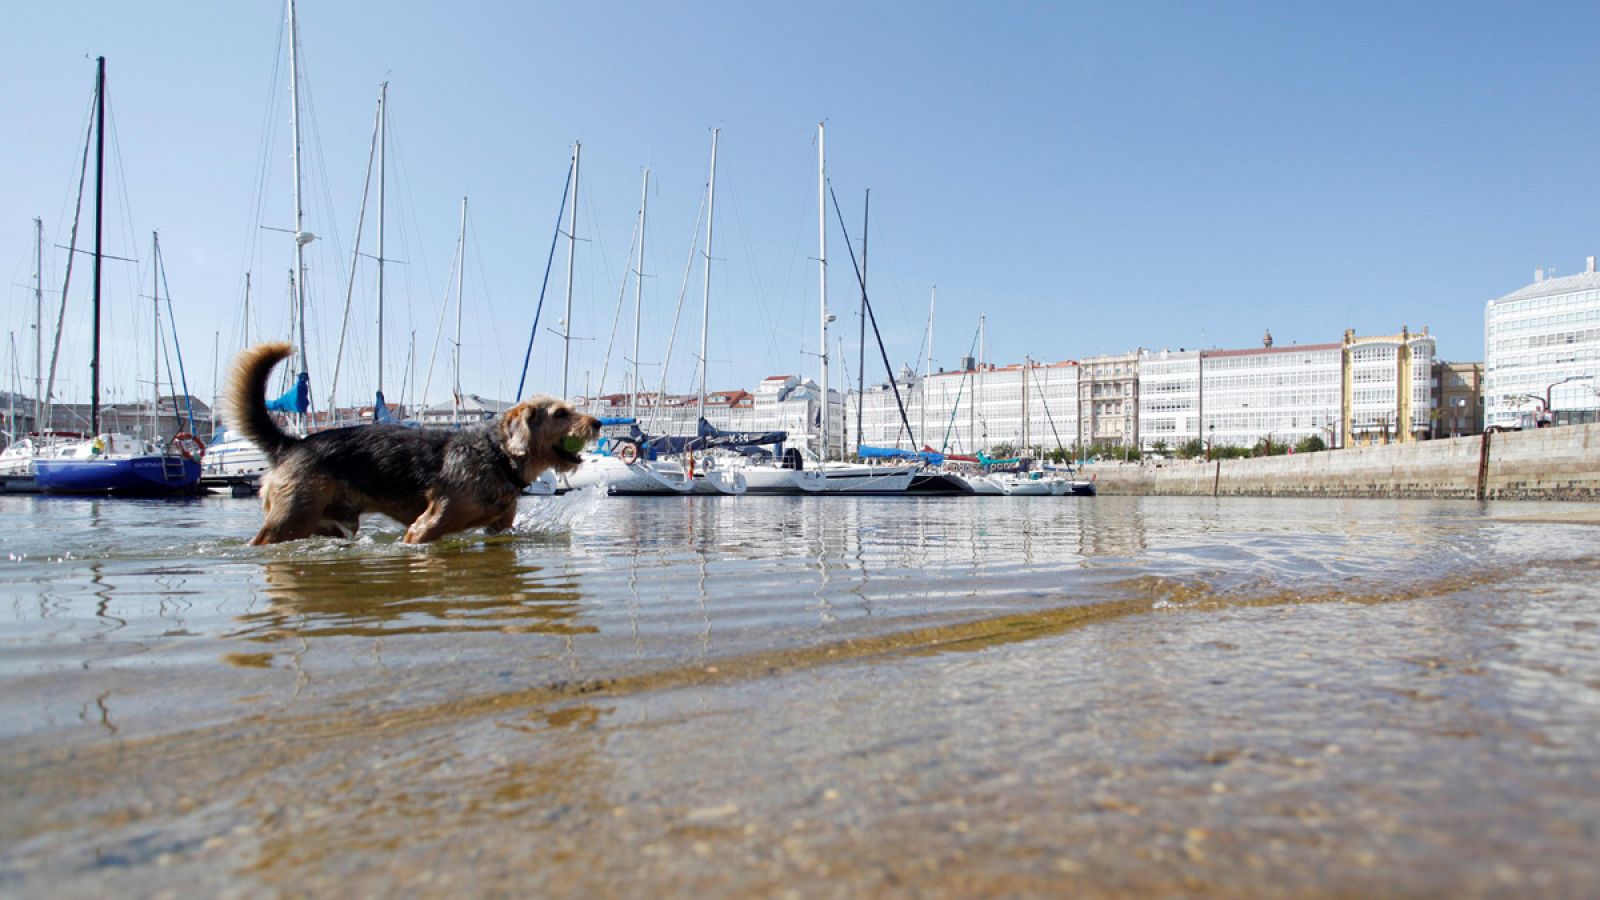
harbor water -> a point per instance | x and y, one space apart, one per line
824 696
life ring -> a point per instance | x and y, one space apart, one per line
183 439
627 451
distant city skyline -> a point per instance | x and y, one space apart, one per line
1092 180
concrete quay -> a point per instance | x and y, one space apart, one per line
1543 464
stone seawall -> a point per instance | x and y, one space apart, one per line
1543 464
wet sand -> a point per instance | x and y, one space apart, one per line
1438 742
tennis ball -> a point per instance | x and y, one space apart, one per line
572 443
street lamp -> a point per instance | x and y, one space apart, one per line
1545 414
1211 437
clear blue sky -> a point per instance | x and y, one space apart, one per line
1093 178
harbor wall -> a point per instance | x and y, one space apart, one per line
1543 464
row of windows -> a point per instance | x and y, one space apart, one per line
1554 301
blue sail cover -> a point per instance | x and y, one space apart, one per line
296 399
380 411
706 437
926 456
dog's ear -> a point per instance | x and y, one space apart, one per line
520 426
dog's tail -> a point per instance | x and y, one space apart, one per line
245 404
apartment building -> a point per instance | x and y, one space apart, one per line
1542 351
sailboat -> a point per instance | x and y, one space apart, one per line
232 454
116 463
618 463
706 476
835 476
16 460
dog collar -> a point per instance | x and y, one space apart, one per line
509 469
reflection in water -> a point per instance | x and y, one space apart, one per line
1029 696
486 588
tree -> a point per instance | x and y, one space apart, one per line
1312 444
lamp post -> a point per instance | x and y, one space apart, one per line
1545 415
1211 436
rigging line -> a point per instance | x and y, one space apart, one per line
872 318
657 410
488 300
66 283
267 131
527 355
622 292
438 332
1048 418
960 389
396 147
770 330
355 260
172 321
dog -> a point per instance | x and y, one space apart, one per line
433 482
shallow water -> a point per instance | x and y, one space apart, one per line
842 695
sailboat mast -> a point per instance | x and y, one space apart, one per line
155 319
461 264
927 368
822 281
383 139
1027 363
638 294
978 398
572 252
861 355
38 322
301 236
705 301
99 214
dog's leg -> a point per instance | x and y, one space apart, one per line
505 519
442 517
292 512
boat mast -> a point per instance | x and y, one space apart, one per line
155 352
572 252
301 236
99 212
638 294
978 398
38 323
1027 363
247 309
705 302
861 355
927 369
383 138
822 282
461 263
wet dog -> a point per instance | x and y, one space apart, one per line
434 482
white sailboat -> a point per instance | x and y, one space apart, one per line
16 460
707 476
836 476
231 454
618 466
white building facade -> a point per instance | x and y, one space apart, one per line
1029 405
1540 342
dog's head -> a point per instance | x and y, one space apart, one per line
535 434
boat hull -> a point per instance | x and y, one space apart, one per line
626 479
151 475
851 479
778 480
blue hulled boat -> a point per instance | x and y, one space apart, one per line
118 465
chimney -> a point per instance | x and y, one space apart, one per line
1538 275
1590 265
